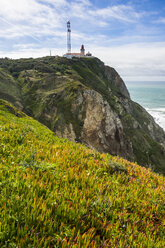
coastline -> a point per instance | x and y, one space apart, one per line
151 96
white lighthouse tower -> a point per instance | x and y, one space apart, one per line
68 37
69 54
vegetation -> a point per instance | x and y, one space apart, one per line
54 193
9 88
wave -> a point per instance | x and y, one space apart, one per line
159 115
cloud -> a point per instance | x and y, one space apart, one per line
160 21
135 62
16 10
120 12
55 3
44 16
31 13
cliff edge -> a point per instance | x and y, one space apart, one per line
85 101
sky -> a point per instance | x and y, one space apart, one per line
128 35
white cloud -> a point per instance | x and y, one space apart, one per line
51 14
27 52
160 21
55 2
119 12
30 13
39 18
136 61
18 9
83 2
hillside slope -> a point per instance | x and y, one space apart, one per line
54 193
10 89
85 101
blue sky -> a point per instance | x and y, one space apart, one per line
128 35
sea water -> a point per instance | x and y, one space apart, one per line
150 95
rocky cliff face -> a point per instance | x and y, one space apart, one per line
85 101
102 128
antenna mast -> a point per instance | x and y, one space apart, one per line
68 37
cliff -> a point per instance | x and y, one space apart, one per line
85 101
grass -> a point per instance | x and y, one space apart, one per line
54 193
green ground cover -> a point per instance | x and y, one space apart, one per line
54 193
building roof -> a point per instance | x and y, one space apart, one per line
74 53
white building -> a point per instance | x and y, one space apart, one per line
78 55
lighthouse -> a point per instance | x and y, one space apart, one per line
69 54
82 50
68 37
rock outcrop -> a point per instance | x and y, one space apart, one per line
85 101
102 128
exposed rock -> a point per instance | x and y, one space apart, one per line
102 129
66 132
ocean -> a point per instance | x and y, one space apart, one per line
151 96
